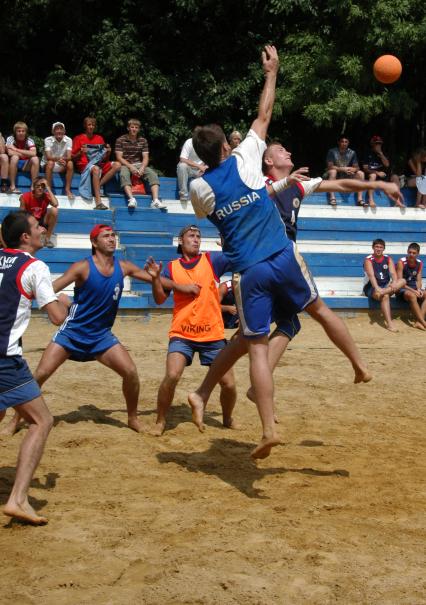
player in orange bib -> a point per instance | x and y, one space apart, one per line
197 325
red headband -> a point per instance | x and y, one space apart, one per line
97 229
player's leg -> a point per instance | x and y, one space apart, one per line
263 387
175 365
40 421
386 310
222 364
53 357
118 359
412 300
339 334
228 399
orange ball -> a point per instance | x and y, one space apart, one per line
387 69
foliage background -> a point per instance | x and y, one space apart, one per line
178 63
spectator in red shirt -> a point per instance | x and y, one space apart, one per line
36 202
23 154
101 173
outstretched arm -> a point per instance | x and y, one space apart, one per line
78 272
270 64
154 270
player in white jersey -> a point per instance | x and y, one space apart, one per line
22 278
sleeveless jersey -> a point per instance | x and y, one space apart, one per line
381 269
288 204
196 318
95 305
410 273
247 218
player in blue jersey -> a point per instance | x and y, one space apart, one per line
270 276
86 333
410 269
381 281
23 278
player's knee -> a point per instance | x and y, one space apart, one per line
228 382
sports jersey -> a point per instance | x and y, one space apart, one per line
233 197
197 318
288 202
95 305
410 273
380 268
22 278
37 207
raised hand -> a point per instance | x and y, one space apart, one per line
298 175
153 268
270 60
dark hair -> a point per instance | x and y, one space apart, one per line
343 136
13 226
207 142
379 241
414 246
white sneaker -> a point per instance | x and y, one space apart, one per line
132 203
158 204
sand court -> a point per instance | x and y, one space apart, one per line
335 515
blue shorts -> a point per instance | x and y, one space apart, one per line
83 351
290 326
207 351
369 290
276 288
17 384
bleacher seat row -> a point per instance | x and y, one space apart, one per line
334 241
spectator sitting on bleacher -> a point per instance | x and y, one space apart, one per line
57 156
4 166
410 268
381 281
23 154
91 157
190 166
36 202
277 164
342 163
377 167
235 139
417 168
132 151
228 306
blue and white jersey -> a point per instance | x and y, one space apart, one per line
22 278
410 273
95 305
233 197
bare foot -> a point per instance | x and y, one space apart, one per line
197 406
362 375
391 327
264 448
24 513
229 423
158 428
134 424
250 395
419 326
70 195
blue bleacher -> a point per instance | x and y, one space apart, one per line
334 242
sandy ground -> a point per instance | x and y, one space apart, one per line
336 515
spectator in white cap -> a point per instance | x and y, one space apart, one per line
57 156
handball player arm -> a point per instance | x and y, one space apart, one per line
151 275
57 310
78 273
270 64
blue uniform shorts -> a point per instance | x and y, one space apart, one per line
273 290
17 384
83 351
207 351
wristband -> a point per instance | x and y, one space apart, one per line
280 185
